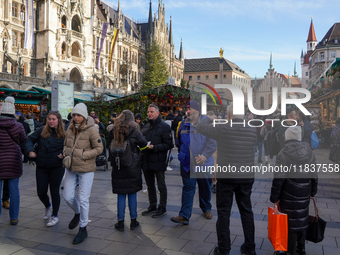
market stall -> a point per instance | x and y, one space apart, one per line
325 102
26 101
166 97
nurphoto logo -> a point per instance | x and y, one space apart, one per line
238 103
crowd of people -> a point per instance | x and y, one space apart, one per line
139 148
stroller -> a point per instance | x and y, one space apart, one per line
102 160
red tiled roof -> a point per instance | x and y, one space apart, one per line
306 60
294 82
311 34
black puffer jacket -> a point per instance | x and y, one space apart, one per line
235 147
159 133
48 149
294 193
128 180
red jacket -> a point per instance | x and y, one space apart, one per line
10 150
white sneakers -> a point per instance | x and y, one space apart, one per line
53 220
47 213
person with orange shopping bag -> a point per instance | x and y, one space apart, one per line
293 186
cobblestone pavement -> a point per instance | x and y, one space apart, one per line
154 236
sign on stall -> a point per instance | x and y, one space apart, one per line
62 97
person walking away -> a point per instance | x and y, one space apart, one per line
235 147
126 172
48 156
12 136
154 160
307 128
292 192
192 145
30 122
264 134
82 143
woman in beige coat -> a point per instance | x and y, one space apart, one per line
83 136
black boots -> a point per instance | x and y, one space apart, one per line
134 224
74 222
81 236
150 210
120 225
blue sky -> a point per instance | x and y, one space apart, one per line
247 30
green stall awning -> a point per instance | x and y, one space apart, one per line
27 101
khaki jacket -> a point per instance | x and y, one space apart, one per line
88 146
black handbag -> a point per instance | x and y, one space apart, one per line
316 228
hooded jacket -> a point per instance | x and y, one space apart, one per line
294 193
12 136
31 123
88 146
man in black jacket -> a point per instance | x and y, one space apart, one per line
235 148
154 159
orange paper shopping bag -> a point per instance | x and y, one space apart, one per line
278 229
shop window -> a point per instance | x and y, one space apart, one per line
14 9
22 12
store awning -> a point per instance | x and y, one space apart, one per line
26 101
335 64
78 96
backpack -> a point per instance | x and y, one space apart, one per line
314 141
273 143
121 154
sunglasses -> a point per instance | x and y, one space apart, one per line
53 111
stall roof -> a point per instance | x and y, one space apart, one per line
78 96
333 65
20 91
26 101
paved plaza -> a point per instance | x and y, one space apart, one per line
154 236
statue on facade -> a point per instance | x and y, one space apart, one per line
48 74
221 53
5 43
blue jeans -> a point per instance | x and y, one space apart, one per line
258 147
85 181
14 196
122 203
188 193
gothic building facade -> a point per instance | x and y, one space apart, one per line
263 88
67 46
